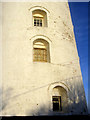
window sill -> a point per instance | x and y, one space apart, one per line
40 62
36 27
40 26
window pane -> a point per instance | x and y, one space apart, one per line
40 20
40 24
37 22
34 20
39 54
34 23
55 99
57 105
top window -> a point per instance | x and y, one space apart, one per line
38 21
39 18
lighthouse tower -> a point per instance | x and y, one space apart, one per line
41 70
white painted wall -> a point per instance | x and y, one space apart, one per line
27 85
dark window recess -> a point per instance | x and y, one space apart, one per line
57 105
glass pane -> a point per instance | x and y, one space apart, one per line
40 54
35 51
40 21
55 99
55 106
37 24
34 24
40 24
37 21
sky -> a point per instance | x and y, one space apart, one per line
79 15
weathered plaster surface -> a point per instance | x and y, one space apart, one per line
27 85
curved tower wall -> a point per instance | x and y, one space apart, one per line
27 85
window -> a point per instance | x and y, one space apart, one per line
40 51
40 54
57 105
59 99
39 18
38 21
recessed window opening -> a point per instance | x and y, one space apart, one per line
40 51
57 103
39 18
59 99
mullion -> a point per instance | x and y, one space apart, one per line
37 21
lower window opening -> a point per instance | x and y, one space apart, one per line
57 103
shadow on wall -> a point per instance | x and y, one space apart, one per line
73 109
5 98
39 112
78 105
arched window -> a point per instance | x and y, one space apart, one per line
39 18
41 51
59 99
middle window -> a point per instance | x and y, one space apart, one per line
40 50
